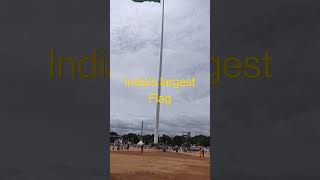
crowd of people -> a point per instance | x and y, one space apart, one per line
120 145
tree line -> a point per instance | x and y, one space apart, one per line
198 140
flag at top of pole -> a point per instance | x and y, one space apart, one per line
146 0
156 128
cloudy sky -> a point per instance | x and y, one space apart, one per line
135 45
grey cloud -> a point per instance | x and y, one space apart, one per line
171 126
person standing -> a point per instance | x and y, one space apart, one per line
203 152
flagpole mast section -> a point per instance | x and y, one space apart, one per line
156 130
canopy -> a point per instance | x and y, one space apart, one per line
140 143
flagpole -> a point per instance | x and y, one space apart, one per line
156 130
141 130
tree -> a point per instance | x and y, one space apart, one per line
165 139
132 138
178 140
148 139
113 136
201 140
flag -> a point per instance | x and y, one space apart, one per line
146 0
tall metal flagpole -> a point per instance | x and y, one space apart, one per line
156 130
141 129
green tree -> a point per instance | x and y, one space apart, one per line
165 139
178 140
148 139
134 138
201 140
113 136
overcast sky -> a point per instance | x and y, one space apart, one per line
135 46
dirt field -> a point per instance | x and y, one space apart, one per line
158 165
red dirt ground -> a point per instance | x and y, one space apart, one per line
158 165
